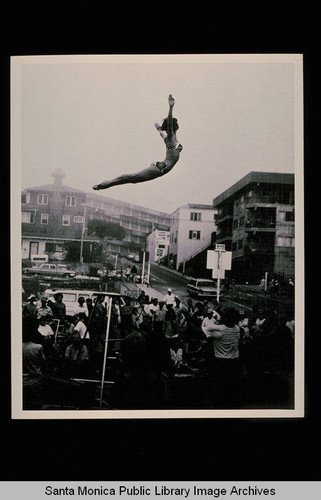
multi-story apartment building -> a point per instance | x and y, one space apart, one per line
191 230
255 220
55 214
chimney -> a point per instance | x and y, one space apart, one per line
58 175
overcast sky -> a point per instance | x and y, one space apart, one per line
93 117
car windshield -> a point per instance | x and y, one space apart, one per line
205 284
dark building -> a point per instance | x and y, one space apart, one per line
255 220
55 216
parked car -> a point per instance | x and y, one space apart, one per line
50 270
202 288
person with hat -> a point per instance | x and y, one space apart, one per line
43 309
29 309
169 298
209 322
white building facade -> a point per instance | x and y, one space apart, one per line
157 244
191 229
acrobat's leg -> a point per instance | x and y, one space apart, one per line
122 179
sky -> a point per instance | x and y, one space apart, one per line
93 117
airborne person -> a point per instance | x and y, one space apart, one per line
157 169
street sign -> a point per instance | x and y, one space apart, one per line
218 274
226 261
220 247
212 258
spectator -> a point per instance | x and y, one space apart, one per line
76 359
227 362
43 309
133 272
169 298
159 317
29 309
128 272
44 328
170 322
133 384
98 324
152 308
58 307
81 307
34 365
209 322
190 307
90 306
139 313
127 310
80 325
178 306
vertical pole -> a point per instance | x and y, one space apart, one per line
82 237
105 353
218 276
148 272
143 268
265 281
116 260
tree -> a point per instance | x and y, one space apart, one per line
103 229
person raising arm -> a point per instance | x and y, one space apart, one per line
157 169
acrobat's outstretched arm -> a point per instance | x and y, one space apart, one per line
170 131
162 133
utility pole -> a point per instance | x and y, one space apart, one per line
82 236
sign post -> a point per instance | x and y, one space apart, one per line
219 260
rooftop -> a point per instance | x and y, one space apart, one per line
254 177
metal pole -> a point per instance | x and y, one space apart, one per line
143 268
105 353
218 276
148 272
82 237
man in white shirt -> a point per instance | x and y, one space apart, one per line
209 322
151 308
80 325
169 297
81 307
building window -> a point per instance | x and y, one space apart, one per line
194 235
195 216
78 218
284 241
235 223
44 219
66 220
28 217
71 201
42 199
25 197
289 216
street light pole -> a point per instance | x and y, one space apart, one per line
82 236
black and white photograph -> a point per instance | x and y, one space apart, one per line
157 255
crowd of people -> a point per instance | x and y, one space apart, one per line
153 345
